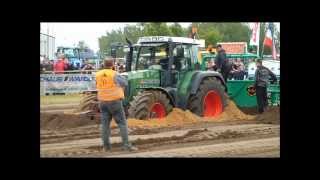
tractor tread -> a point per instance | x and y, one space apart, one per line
207 84
140 105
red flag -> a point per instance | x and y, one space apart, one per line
268 39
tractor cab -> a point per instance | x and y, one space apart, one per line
172 56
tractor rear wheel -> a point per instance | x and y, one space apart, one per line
210 99
149 104
89 103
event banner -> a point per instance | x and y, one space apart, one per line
66 83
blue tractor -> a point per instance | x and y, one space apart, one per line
73 55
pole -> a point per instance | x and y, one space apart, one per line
273 42
47 40
258 41
263 41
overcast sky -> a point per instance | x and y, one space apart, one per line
69 34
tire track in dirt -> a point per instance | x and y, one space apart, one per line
144 142
253 148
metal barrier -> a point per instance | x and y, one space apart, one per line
70 72
51 83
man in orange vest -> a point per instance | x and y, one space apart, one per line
110 87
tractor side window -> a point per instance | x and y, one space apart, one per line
182 57
188 56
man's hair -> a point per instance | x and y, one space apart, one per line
219 46
108 63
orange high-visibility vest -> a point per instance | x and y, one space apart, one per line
108 90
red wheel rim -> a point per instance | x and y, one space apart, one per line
157 111
212 104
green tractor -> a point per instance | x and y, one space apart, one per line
162 73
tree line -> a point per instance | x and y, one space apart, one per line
211 32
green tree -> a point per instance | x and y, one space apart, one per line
208 32
235 32
156 29
133 32
226 32
106 41
176 30
82 45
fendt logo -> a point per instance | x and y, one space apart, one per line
251 90
152 39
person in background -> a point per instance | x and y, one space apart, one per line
51 65
211 65
87 67
238 70
70 66
42 69
84 63
77 67
46 65
110 85
60 65
222 63
121 68
262 75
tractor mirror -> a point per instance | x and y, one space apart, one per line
180 52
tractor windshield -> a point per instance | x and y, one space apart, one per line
149 55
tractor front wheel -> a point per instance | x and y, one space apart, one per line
149 104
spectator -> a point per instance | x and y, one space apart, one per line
41 68
84 63
87 66
69 65
60 66
121 68
50 66
46 65
222 63
211 65
262 76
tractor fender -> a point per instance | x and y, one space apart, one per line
170 92
199 76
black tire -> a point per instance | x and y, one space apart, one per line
195 103
140 106
89 103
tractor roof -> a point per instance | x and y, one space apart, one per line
154 39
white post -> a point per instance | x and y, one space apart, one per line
258 40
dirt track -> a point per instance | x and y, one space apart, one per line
233 134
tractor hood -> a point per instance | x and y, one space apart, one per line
143 78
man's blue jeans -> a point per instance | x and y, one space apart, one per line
109 110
